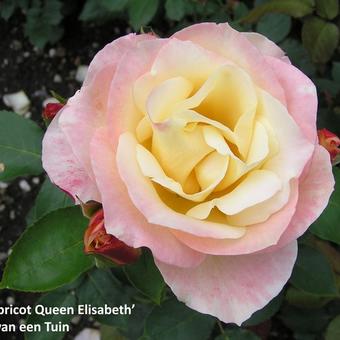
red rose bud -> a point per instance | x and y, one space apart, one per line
51 110
98 242
330 142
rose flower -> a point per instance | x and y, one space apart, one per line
202 147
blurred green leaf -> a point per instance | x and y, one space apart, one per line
49 198
237 334
42 22
312 273
274 26
141 12
296 9
298 55
174 321
175 9
145 276
8 7
327 9
327 225
49 253
101 287
110 333
336 71
320 38
240 10
114 5
55 299
333 329
101 10
304 320
266 312
327 85
135 327
20 147
299 298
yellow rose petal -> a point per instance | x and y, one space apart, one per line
257 187
152 169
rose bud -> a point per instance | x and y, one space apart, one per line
98 242
51 110
330 142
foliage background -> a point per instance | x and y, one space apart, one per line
308 30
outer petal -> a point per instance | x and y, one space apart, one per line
105 62
63 167
227 42
232 287
301 97
266 46
87 109
123 220
124 115
314 193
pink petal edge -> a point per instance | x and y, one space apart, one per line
225 41
314 193
266 46
63 167
301 96
232 287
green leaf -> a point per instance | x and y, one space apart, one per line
55 299
237 334
49 253
141 12
333 329
327 225
327 9
100 287
145 276
8 7
313 274
174 321
296 9
320 38
175 9
298 56
240 9
266 312
274 26
20 146
110 333
135 325
114 5
299 298
327 85
49 198
42 23
93 10
304 320
336 71
101 10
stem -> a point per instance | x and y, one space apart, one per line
220 326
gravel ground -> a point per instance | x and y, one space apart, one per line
36 72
